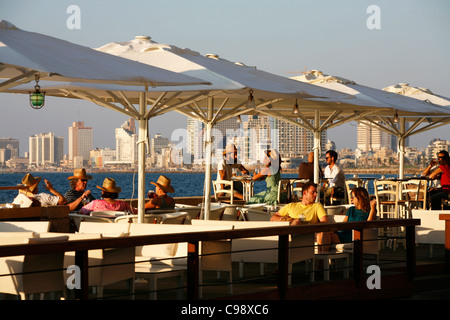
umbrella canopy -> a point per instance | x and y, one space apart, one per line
24 54
231 82
422 94
392 110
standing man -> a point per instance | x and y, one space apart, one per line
335 176
306 169
225 169
78 196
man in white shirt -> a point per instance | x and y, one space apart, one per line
225 169
335 176
44 199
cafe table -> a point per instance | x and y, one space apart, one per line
247 185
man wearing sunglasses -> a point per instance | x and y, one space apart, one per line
78 196
335 176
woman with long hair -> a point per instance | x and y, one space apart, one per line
363 209
271 172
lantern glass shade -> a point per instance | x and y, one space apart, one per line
37 99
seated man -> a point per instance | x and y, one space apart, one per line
225 167
78 196
41 199
335 176
308 211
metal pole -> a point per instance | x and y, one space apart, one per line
208 154
317 135
141 156
401 149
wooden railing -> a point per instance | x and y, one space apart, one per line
81 247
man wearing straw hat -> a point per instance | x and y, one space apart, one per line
78 196
161 200
41 199
225 168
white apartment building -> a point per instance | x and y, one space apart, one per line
295 141
126 143
45 148
371 139
435 146
80 141
257 138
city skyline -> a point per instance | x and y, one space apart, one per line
126 141
285 38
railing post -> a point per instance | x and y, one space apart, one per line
358 256
411 251
446 218
283 265
193 271
82 261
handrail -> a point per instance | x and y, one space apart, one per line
81 247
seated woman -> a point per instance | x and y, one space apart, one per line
363 210
271 173
109 202
161 200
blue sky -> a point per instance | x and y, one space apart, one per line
283 37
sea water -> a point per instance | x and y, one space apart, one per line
185 184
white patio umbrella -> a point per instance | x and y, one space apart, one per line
383 109
23 55
422 94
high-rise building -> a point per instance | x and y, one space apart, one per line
126 143
371 139
194 141
225 132
80 141
295 141
45 148
9 148
435 146
257 138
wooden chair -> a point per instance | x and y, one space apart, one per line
220 187
353 183
414 191
296 188
284 187
390 206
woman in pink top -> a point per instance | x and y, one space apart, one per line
109 202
